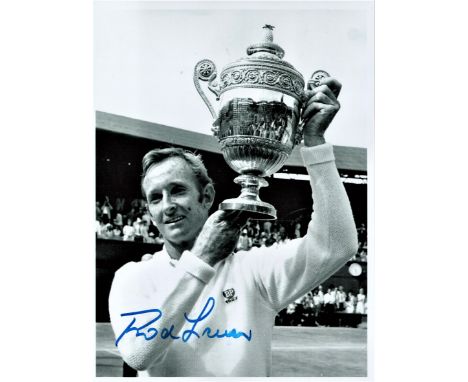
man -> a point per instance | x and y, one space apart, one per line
329 300
197 309
340 298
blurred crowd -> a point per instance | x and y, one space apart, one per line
125 221
319 308
268 233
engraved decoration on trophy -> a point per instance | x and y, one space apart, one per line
258 119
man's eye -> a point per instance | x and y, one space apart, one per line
178 190
155 199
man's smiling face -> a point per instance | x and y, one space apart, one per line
176 204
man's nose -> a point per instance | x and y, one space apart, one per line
169 206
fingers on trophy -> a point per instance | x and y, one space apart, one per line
258 121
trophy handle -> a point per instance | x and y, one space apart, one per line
313 82
205 70
315 79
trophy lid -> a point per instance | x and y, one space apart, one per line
273 50
263 67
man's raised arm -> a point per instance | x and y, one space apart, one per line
289 271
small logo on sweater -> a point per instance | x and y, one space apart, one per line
230 295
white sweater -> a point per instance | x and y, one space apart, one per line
235 301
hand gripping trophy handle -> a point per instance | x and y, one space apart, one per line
313 82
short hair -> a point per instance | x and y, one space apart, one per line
195 162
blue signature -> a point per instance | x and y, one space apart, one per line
148 333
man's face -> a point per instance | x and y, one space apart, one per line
176 206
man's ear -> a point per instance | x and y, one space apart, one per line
208 196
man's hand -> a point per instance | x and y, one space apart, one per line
321 107
219 236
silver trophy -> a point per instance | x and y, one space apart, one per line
258 123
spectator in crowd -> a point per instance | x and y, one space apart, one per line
320 294
146 217
250 229
137 225
297 230
308 309
98 210
363 254
334 289
135 204
263 239
116 233
291 313
245 242
361 299
150 238
129 231
317 301
103 228
106 209
257 229
282 238
144 231
108 232
318 304
329 300
256 242
282 231
118 220
267 227
340 298
350 303
329 306
270 240
98 227
135 210
120 205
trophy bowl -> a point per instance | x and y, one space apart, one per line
258 123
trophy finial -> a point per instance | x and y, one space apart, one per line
268 37
267 45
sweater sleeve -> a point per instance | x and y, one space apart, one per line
165 293
288 271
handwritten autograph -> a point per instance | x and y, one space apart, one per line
150 333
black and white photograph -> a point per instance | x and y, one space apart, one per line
233 162
197 190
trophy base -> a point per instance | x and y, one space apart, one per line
249 201
258 211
